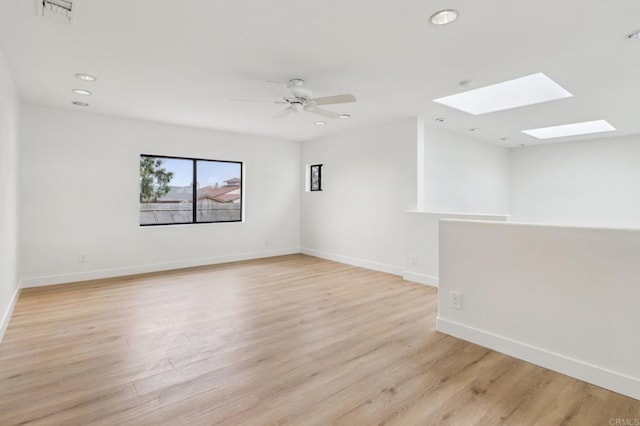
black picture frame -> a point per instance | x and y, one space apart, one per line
315 177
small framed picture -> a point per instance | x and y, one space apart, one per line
316 177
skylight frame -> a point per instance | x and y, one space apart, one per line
572 129
529 90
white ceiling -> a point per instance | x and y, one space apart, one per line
183 61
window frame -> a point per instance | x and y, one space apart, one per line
194 193
311 166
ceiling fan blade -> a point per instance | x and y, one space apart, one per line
283 113
285 89
323 112
250 100
330 100
260 101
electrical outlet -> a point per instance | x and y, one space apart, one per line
414 259
455 299
82 257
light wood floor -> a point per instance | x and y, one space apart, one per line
291 339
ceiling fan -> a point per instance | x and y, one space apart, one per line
302 100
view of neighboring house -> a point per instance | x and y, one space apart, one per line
217 203
228 193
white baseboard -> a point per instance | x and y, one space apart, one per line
581 370
7 314
381 267
415 277
143 269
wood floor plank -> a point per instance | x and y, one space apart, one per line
285 340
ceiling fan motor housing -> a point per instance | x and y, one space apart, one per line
301 92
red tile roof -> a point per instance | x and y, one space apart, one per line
219 194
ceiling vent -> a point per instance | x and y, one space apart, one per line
57 10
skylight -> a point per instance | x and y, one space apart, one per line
523 91
588 127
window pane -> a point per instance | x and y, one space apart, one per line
316 177
219 191
166 190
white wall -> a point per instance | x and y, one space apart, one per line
369 180
421 260
587 183
464 175
563 298
9 111
79 193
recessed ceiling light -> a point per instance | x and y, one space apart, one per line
321 123
588 127
473 129
504 139
81 92
444 17
440 120
85 77
84 104
523 91
345 115
634 35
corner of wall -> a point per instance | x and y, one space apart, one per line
370 180
420 177
9 118
6 318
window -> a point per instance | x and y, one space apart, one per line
170 187
316 177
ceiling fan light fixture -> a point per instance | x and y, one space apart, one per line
297 106
444 17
